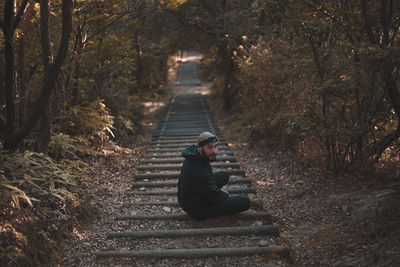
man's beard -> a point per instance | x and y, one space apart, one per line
212 157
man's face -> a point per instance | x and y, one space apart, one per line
210 151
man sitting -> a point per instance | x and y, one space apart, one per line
200 192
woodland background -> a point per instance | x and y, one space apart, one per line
319 77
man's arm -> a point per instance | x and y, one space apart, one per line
211 192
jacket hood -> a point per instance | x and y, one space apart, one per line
191 152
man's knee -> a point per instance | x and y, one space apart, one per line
239 203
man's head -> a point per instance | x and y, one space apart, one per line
208 146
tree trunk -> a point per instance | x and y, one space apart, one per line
22 77
228 90
75 84
2 98
44 136
9 72
139 64
49 80
22 80
228 65
43 140
80 46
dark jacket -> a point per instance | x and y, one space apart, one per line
196 186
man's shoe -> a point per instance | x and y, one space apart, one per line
257 203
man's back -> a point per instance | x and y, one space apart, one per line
196 186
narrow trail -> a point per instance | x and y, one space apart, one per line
153 231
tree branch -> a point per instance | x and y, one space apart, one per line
108 25
208 8
385 23
44 32
3 126
185 22
325 12
20 13
364 11
49 80
104 27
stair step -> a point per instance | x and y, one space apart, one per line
179 166
181 159
175 183
198 252
240 190
269 230
152 203
220 149
176 174
162 154
175 145
247 215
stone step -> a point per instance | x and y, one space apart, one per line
241 190
247 215
183 134
221 149
174 145
187 125
181 159
152 203
269 230
169 175
175 182
171 139
180 141
162 154
179 166
198 252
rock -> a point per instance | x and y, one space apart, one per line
167 209
264 243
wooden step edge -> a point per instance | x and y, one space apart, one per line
247 215
175 183
198 252
249 190
264 230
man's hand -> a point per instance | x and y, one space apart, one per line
223 190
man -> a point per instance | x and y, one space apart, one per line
200 192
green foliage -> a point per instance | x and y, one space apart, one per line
128 124
63 146
28 176
36 193
87 119
310 76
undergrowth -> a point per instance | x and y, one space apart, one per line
41 201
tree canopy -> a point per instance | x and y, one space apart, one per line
321 77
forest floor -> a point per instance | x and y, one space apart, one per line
349 220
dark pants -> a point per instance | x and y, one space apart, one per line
230 205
